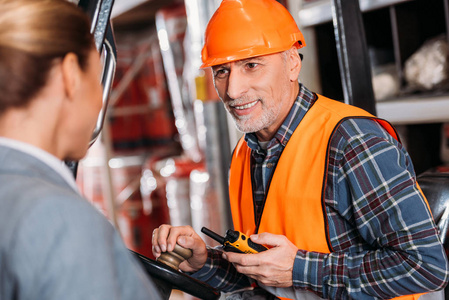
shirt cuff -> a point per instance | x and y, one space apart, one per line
207 272
308 271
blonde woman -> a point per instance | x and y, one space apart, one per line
53 243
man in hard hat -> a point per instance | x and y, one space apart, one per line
326 186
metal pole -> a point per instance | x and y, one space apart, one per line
352 53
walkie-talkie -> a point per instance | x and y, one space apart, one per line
235 241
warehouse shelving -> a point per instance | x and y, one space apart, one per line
397 28
320 11
411 109
415 110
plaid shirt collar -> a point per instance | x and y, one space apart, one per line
302 104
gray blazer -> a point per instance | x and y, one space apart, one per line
56 245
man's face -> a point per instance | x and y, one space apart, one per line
256 92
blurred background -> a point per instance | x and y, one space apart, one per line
164 153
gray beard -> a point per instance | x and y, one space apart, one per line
247 124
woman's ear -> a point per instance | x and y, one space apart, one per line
295 63
71 73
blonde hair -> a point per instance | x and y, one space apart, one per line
33 35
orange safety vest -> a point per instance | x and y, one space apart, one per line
294 206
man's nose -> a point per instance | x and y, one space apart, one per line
237 85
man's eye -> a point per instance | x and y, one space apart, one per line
251 65
220 73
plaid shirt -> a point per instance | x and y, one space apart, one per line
384 240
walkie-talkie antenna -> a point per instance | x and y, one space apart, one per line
213 235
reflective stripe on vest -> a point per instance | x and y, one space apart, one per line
294 206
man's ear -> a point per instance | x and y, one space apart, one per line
295 63
71 73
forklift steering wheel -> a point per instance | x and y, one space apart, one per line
167 278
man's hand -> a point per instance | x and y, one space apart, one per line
272 267
165 237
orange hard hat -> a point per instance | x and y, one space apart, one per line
241 29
